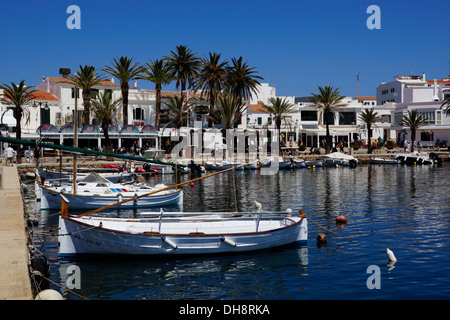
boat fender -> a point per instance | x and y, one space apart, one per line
119 195
390 255
257 204
341 220
289 211
321 238
49 294
169 242
41 266
228 241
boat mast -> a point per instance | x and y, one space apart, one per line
75 140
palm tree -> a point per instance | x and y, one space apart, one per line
242 80
106 110
184 64
18 96
228 110
125 71
177 110
446 103
158 72
413 120
326 101
211 77
279 109
86 79
369 117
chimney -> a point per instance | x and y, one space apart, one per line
112 79
135 83
43 78
423 76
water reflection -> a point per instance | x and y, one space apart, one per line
214 277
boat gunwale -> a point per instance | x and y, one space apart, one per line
109 195
145 233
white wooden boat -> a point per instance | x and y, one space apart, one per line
96 192
223 165
413 158
339 159
112 176
178 233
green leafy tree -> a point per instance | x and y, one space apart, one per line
17 97
158 72
184 64
211 77
86 79
369 117
177 111
242 80
228 110
446 105
327 101
125 70
413 120
106 109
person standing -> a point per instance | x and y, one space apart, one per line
10 154
37 154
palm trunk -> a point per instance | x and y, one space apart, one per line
19 136
369 136
413 138
86 106
125 89
158 106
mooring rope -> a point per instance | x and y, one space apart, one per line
328 229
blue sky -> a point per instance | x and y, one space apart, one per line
295 45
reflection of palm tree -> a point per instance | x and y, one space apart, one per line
125 72
413 120
106 110
158 72
18 96
369 117
327 101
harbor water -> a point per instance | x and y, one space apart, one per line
403 208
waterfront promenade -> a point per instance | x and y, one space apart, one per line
15 281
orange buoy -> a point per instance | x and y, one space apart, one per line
341 219
321 237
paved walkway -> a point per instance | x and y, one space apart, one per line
15 281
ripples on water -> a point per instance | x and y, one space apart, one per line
402 208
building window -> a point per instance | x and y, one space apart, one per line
259 121
309 116
426 136
73 93
347 118
138 114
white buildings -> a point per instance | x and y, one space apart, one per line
425 96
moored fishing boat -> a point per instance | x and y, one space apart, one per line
178 233
96 192
339 159
378 160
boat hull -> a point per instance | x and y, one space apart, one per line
80 236
52 200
